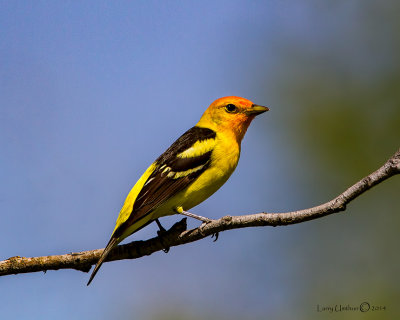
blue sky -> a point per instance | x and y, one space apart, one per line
91 94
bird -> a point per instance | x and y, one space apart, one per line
195 166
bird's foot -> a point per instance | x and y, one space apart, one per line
161 234
201 228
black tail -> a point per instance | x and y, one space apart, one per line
110 245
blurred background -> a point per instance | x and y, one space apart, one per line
92 92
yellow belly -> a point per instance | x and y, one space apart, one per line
224 160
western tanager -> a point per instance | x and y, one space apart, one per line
189 171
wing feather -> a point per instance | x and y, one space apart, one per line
175 170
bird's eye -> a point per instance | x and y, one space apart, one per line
231 108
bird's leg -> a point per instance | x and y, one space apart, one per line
205 220
160 234
194 216
162 229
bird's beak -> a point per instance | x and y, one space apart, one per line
256 110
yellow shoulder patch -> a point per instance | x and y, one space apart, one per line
198 148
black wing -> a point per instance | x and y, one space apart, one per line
172 175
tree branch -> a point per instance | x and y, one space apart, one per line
178 234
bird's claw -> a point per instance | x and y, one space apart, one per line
160 234
202 227
215 235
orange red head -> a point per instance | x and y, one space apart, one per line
231 114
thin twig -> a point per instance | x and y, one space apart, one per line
178 234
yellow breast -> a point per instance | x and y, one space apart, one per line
224 160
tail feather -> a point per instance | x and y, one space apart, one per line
110 245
